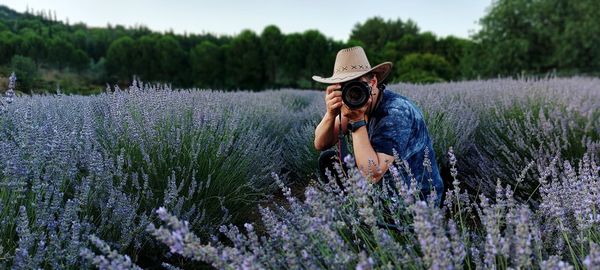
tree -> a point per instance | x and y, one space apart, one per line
375 33
539 36
80 61
426 42
3 27
272 40
244 64
120 58
59 52
575 30
207 61
99 40
146 64
33 46
317 55
8 46
453 49
79 38
294 59
425 68
26 72
506 34
170 60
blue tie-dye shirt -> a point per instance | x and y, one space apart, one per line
398 124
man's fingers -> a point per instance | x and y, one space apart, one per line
334 98
334 103
332 87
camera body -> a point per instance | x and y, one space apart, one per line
355 94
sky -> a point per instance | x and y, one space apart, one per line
333 18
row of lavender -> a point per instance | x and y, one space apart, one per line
387 227
75 166
507 129
78 166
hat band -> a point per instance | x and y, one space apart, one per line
352 68
344 77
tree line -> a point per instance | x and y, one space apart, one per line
516 37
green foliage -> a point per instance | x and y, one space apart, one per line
120 57
294 59
145 64
243 62
8 46
33 46
271 39
453 49
246 61
516 36
538 37
316 54
26 72
59 52
375 33
79 60
423 68
170 59
399 41
207 65
576 33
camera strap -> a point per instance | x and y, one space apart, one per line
340 138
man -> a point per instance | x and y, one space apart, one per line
388 122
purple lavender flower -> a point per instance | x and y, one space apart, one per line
10 93
109 259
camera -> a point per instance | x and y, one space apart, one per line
355 94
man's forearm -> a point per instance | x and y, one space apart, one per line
324 133
366 157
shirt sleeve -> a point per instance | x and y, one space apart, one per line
394 130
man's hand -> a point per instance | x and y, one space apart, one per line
356 114
333 99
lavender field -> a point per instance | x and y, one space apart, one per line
155 177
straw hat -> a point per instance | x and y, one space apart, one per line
351 63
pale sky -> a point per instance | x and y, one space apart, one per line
333 18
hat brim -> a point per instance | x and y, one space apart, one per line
381 71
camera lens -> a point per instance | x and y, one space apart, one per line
355 94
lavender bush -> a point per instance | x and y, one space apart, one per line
499 127
73 166
369 228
